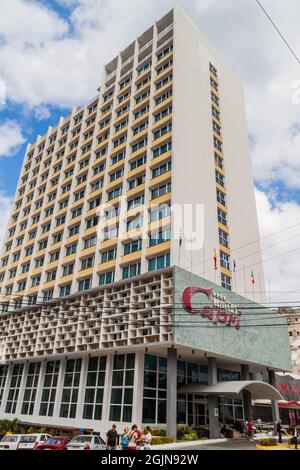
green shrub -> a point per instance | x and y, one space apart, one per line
158 432
190 434
156 441
268 442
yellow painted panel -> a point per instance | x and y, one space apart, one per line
161 200
142 89
101 145
115 183
90 231
163 60
164 73
132 257
166 120
139 136
36 271
158 249
103 130
48 285
88 251
72 240
106 266
106 245
163 158
140 104
119 133
114 202
97 177
162 90
69 259
116 166
52 266
223 227
224 209
226 271
136 171
160 179
121 118
226 250
122 104
118 149
135 191
66 279
142 118
85 273
137 154
163 139
95 194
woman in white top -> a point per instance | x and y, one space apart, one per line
147 439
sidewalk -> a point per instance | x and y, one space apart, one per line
178 445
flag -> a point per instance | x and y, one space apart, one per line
180 240
234 266
215 261
252 278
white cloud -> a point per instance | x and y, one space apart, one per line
10 138
5 208
281 250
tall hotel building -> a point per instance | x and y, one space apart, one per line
89 329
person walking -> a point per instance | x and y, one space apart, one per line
295 437
133 438
259 425
125 438
112 438
147 438
279 431
250 429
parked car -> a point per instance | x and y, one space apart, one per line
32 441
55 443
10 441
86 442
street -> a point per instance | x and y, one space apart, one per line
229 445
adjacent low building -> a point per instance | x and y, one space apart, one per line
163 349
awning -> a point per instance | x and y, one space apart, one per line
258 389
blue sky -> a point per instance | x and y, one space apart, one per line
51 58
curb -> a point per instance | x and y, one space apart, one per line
288 446
178 445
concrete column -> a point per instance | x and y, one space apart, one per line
213 409
248 410
275 407
172 393
137 408
59 388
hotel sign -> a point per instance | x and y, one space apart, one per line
219 311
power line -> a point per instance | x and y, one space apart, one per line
278 31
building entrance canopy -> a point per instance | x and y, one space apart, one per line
234 389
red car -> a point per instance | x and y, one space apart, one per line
55 443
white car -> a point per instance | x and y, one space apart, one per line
32 441
10 441
89 442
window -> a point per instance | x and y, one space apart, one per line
163 97
222 217
115 193
226 281
74 230
31 388
48 295
133 247
108 255
84 284
164 81
57 238
160 237
161 170
224 260
162 150
165 52
116 175
155 389
51 276
110 233
94 389
159 263
68 270
76 212
14 388
65 290
223 238
54 256
136 182
220 179
137 222
159 214
219 161
163 113
131 271
60 220
71 249
49 388
106 278
99 169
138 163
3 377
89 242
221 198
157 192
40 262
117 158
136 202
87 263
142 143
92 222
36 281
121 399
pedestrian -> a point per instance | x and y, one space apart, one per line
125 438
295 437
133 438
147 438
112 438
250 428
259 424
279 431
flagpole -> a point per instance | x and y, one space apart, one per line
244 268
